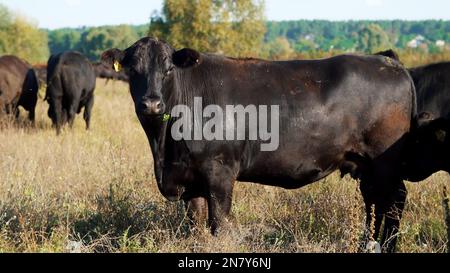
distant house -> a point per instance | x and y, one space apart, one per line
416 42
309 37
440 43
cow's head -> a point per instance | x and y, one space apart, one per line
428 148
150 64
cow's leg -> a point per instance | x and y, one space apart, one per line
393 215
59 112
7 109
87 112
197 211
17 112
219 204
71 113
388 199
372 208
220 183
32 115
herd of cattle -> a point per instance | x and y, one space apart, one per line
70 80
364 115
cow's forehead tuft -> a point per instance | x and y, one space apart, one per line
149 47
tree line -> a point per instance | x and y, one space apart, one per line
235 28
357 35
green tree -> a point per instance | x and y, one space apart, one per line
64 39
221 26
373 38
95 40
21 37
280 49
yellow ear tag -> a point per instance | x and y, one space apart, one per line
117 66
441 135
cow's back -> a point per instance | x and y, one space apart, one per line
70 73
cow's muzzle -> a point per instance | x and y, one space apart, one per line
172 193
151 107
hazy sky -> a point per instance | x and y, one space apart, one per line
74 13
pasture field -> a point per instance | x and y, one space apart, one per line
95 192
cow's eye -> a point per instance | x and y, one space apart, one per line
169 71
132 71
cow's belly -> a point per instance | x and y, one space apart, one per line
292 167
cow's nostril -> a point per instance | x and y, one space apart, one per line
152 106
145 104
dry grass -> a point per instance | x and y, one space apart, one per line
97 189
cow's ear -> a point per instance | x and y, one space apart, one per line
186 58
113 58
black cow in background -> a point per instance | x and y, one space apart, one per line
106 72
347 113
429 145
18 86
41 73
433 89
70 87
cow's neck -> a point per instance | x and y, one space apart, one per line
159 131
156 128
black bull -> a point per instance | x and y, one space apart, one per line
347 113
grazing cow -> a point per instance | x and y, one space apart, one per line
104 71
70 87
18 86
347 113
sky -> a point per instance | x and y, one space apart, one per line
75 13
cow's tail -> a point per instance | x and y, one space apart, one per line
414 111
52 68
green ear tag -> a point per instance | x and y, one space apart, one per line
166 117
441 135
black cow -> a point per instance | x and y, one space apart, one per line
347 113
18 86
104 71
70 87
429 144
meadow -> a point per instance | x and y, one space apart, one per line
95 192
